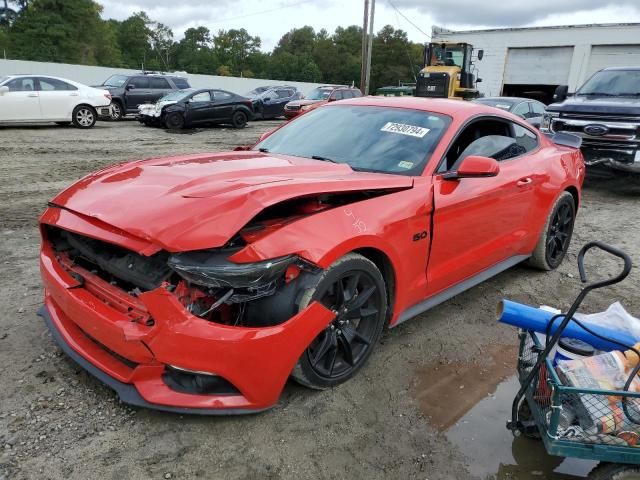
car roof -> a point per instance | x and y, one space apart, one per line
433 105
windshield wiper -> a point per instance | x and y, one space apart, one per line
630 94
600 94
324 159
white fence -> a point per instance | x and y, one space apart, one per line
96 75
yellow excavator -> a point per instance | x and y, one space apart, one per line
448 71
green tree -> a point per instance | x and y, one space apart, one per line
224 71
235 48
194 52
392 59
133 39
59 30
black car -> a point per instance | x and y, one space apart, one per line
530 110
269 101
190 108
130 91
605 112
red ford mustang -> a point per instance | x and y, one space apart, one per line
201 283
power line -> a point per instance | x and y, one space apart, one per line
405 17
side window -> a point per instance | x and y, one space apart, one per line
522 110
201 97
23 84
283 93
537 108
356 93
339 95
219 95
525 138
485 137
51 84
160 83
181 83
139 82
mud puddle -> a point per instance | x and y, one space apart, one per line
471 403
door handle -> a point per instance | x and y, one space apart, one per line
523 182
73 94
33 95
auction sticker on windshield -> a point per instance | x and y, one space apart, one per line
404 129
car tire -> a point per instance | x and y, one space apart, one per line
117 112
174 121
355 289
239 119
556 235
84 116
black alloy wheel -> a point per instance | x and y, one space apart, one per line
354 290
559 235
556 235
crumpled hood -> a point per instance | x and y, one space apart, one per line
154 108
200 201
594 104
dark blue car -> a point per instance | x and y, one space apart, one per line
269 101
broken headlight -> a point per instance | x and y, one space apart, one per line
213 269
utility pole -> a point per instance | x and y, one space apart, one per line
368 73
363 65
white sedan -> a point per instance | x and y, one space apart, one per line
42 98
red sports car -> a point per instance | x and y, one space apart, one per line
201 283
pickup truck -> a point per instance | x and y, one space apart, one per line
605 112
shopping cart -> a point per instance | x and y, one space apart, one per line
588 423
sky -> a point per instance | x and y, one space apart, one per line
270 19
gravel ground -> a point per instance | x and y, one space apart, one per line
58 422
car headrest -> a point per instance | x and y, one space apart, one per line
497 147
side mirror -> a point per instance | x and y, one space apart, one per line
4 89
267 99
474 166
130 87
479 80
561 93
480 54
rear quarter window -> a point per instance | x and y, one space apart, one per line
525 138
159 83
181 83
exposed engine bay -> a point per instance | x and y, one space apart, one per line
206 282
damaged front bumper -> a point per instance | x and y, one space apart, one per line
623 161
137 349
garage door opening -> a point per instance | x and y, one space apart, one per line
542 93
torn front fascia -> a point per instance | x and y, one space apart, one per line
213 269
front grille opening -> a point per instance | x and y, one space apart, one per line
196 383
121 267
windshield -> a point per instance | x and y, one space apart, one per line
501 104
176 95
378 139
115 81
446 55
613 83
319 94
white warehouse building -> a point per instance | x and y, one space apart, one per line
533 61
